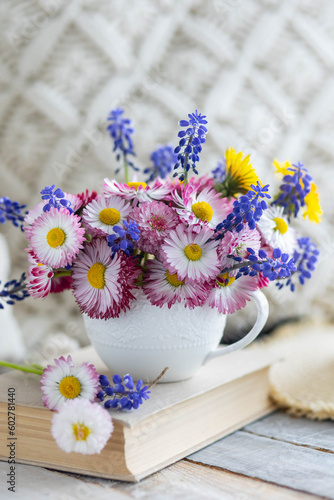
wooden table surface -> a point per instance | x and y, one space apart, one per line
277 457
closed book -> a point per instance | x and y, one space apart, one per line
178 419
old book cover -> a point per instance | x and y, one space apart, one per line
178 419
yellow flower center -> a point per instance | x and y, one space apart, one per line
281 225
173 280
70 387
202 210
109 216
81 431
193 252
137 184
95 275
222 280
56 237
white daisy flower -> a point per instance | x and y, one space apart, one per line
67 381
203 207
81 427
276 231
162 287
230 294
101 215
56 237
190 255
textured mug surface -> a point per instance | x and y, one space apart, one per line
146 339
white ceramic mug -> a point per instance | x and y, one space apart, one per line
147 338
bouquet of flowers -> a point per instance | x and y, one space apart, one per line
184 239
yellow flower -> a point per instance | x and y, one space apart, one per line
240 174
313 209
282 168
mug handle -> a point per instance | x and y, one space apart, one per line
262 316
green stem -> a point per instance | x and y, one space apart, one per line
126 170
186 158
60 274
29 369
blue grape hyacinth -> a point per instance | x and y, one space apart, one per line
163 160
55 198
11 211
190 144
296 185
121 131
247 209
122 393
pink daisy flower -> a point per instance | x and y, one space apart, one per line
37 211
236 244
230 294
161 287
190 255
155 220
138 191
200 183
101 285
202 207
53 285
56 237
101 215
66 381
39 281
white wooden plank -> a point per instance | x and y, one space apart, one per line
39 484
278 462
279 425
189 481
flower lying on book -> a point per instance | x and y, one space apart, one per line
195 241
67 381
75 393
123 393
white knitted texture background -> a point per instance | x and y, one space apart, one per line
261 70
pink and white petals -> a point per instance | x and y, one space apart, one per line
102 285
39 281
138 192
190 254
232 296
66 381
236 244
161 287
203 207
155 220
82 427
56 237
101 215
